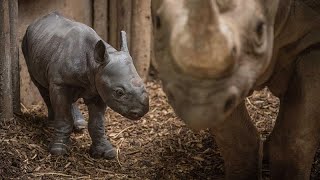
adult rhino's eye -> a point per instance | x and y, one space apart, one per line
260 38
157 22
260 29
119 92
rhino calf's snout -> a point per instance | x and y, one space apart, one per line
137 113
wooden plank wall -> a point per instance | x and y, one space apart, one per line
132 16
107 17
8 59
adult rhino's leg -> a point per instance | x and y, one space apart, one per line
79 122
239 143
61 101
294 140
44 92
101 147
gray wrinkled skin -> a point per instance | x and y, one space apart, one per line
67 60
211 54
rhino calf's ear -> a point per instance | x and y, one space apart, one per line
124 44
101 55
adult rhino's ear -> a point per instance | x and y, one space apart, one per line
124 43
101 54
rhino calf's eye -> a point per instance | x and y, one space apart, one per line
119 92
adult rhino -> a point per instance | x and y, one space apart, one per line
211 54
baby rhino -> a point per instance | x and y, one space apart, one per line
67 60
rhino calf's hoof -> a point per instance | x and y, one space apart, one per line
79 125
58 148
103 150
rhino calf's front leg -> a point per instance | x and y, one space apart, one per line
63 121
79 122
101 147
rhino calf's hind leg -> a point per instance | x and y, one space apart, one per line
61 101
44 92
100 147
239 143
294 140
79 122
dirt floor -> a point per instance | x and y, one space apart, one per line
159 146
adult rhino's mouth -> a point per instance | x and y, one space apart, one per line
202 107
199 117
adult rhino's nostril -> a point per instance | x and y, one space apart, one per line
170 96
230 103
234 51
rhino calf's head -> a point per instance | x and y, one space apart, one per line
210 53
118 82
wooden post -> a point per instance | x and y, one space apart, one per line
113 27
100 18
13 17
124 18
6 111
141 36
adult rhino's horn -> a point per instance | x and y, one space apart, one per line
203 48
202 13
124 43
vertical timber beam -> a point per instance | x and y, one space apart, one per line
14 50
100 18
113 21
124 18
141 36
6 110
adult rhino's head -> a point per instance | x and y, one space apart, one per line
209 53
118 82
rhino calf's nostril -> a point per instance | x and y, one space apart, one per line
230 103
135 113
